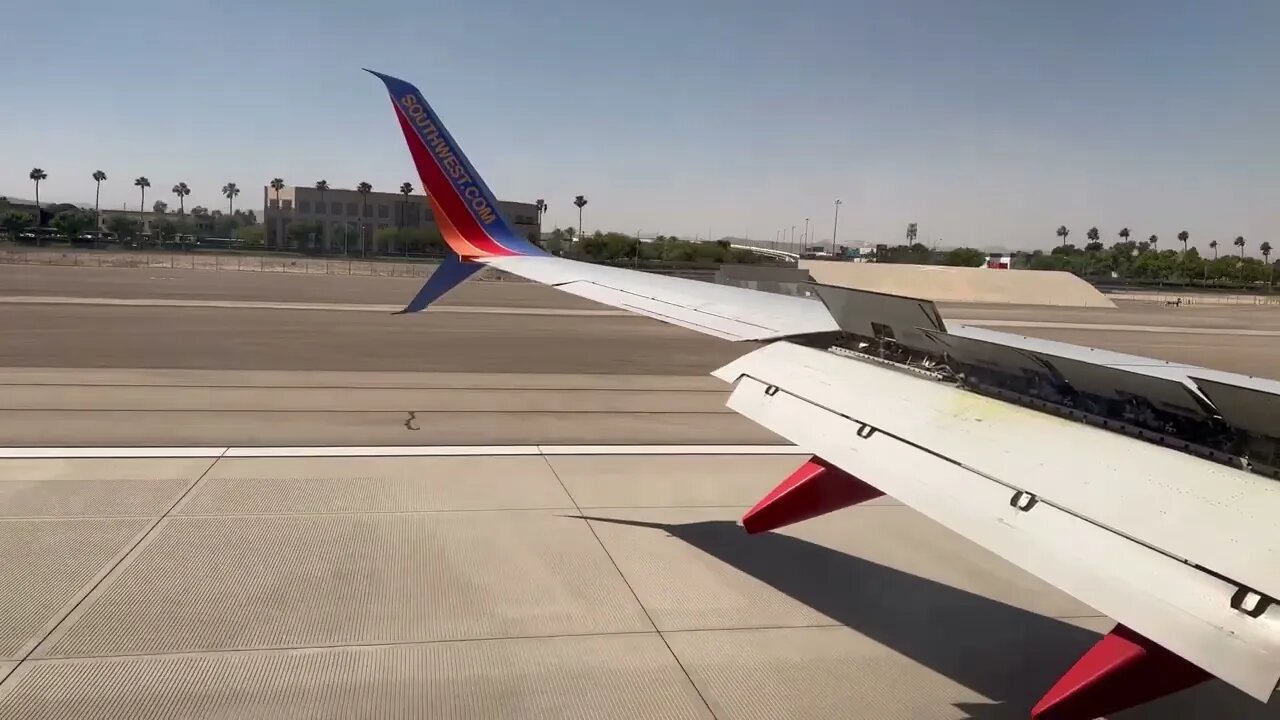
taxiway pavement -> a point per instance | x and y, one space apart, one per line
428 544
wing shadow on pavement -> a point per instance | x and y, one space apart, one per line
1005 653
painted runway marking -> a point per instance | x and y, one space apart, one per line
56 453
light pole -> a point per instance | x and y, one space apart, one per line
805 237
835 224
793 236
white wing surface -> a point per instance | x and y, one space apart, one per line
723 311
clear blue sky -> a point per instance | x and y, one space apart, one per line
988 123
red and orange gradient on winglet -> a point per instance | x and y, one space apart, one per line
464 208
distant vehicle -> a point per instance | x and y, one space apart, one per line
1000 262
96 236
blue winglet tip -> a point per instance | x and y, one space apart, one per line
386 79
451 273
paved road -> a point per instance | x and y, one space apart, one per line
82 407
243 338
107 336
599 586
327 359
227 285
609 585
269 287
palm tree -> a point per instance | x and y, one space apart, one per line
1093 234
322 186
98 177
1239 242
542 210
1124 234
230 191
364 189
405 189
182 191
37 175
276 184
1265 249
581 202
142 183
1063 232
1213 244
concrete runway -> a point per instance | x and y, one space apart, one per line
277 287
484 339
176 407
592 585
524 580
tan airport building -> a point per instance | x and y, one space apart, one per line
346 215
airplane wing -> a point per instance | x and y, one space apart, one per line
1146 489
477 235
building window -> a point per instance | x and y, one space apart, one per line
286 204
273 203
304 206
352 210
384 211
335 208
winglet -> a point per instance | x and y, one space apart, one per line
463 207
448 276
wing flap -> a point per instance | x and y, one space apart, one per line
1201 511
841 415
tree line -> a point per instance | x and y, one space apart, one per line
71 221
615 247
1144 260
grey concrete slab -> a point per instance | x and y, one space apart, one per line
373 484
1258 356
277 287
63 397
621 676
996 668
47 566
39 428
814 673
1126 313
695 568
78 377
208 583
72 469
94 488
222 339
614 481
